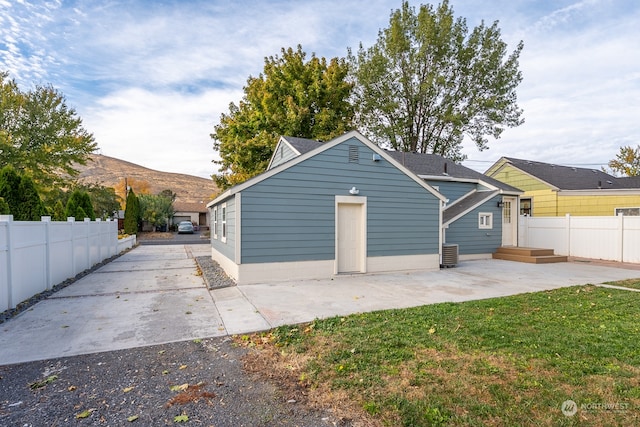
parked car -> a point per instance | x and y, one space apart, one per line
185 227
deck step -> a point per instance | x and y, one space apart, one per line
528 255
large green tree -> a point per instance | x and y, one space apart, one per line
40 135
21 196
156 209
627 161
292 97
428 83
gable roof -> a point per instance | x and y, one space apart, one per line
465 204
435 167
302 145
320 147
564 177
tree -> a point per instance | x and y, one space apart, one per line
103 199
40 136
4 207
627 161
156 209
10 188
58 212
21 196
137 185
427 83
79 206
131 214
291 97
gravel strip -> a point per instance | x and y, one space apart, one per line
213 275
198 382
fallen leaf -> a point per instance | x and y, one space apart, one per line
432 330
181 387
39 384
127 389
183 367
84 414
72 388
181 418
161 351
165 372
132 418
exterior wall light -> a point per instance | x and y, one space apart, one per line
354 191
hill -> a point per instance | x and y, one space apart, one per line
109 172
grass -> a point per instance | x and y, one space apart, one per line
502 361
630 283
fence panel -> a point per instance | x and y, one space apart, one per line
34 256
631 239
596 237
4 266
606 237
60 250
545 232
28 259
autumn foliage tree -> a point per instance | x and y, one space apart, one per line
292 97
627 161
428 82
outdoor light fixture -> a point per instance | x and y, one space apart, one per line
500 204
354 191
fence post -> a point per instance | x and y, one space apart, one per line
9 220
567 232
621 236
47 250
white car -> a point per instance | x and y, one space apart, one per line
185 227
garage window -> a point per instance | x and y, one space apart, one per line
215 222
223 236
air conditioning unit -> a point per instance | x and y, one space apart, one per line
449 255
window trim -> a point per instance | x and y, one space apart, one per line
215 222
485 220
223 234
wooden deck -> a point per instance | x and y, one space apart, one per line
529 255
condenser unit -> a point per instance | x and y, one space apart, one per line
449 255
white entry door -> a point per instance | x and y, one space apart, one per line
509 221
350 238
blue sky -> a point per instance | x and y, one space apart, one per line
151 78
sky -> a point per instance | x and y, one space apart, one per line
151 78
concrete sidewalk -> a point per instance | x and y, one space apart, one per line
153 295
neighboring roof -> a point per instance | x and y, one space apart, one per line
189 207
302 145
320 147
630 181
433 166
566 177
464 205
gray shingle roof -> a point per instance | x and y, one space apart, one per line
466 203
435 165
303 145
567 177
630 181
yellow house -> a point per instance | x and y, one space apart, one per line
553 190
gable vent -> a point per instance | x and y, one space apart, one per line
353 154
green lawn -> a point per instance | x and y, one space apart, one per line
502 361
631 283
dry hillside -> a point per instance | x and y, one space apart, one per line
109 171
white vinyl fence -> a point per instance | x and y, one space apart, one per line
615 238
37 255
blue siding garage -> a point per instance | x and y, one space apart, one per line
282 224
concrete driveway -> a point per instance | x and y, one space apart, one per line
153 295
